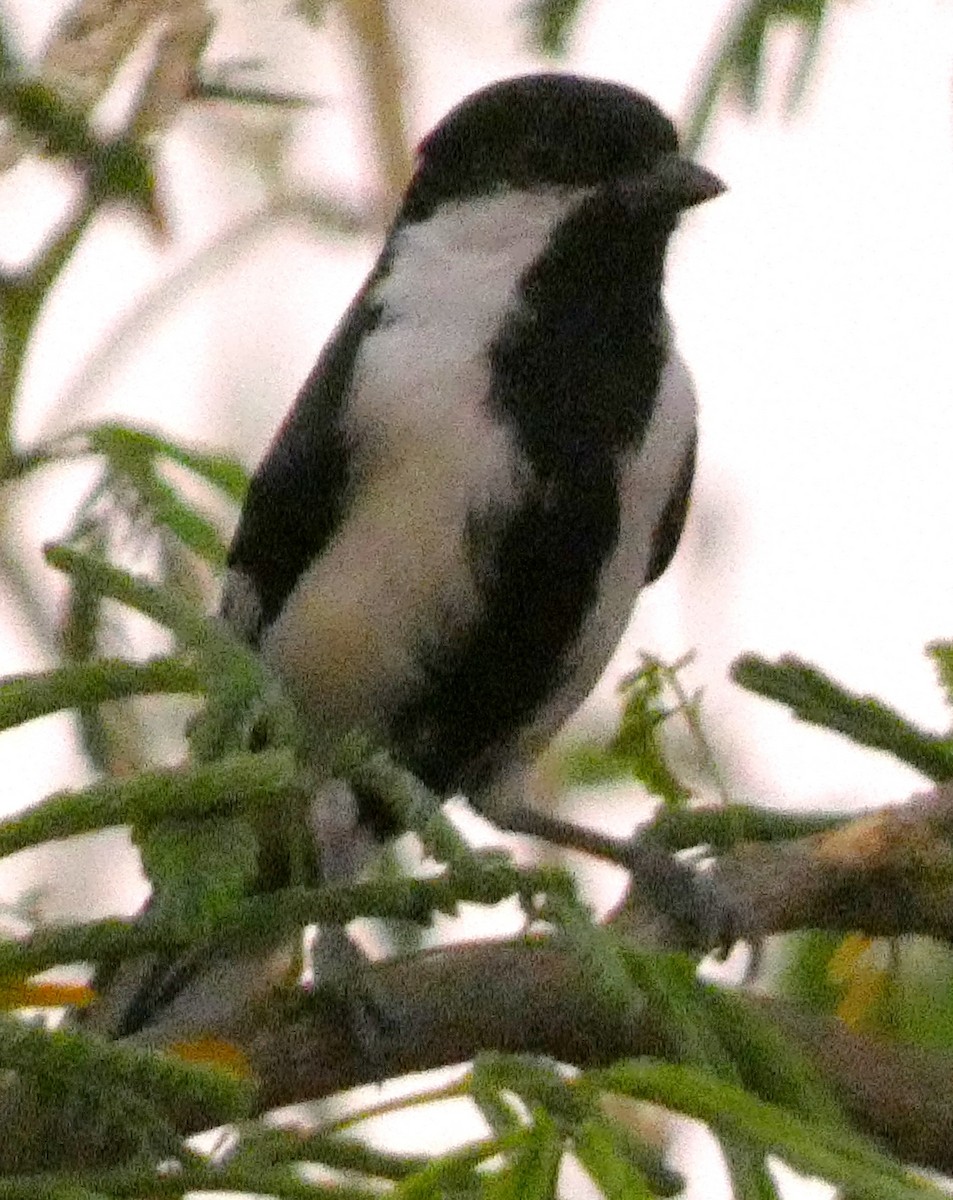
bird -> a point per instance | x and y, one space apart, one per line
492 456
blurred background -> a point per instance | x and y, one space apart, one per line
813 303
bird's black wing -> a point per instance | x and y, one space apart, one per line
668 531
297 496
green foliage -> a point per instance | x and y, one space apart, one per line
816 698
806 977
551 23
942 655
901 988
116 169
915 1003
745 55
533 1167
55 1059
227 85
25 697
199 870
240 781
599 951
766 1063
414 805
738 64
816 1148
131 449
655 704
616 1162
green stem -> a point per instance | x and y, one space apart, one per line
148 1180
21 302
236 782
231 673
25 697
816 698
815 1148
417 809
59 1055
724 826
268 919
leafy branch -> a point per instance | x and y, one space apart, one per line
817 699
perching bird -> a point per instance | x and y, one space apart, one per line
490 459
493 454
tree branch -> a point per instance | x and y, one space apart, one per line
886 872
533 996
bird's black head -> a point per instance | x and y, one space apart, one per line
552 130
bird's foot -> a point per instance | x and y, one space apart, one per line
701 913
343 978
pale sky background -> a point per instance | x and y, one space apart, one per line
813 302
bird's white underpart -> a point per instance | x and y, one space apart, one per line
429 457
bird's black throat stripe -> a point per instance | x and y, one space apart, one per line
546 561
575 373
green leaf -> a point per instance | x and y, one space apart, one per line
25 697
245 782
232 674
746 55
21 300
942 655
750 1177
118 169
416 807
638 740
223 89
671 989
9 53
817 699
636 750
741 57
599 949
805 976
839 1156
58 1055
79 633
551 24
538 1082
135 458
917 1003
767 1062
261 918
180 518
115 440
607 1157
311 11
534 1169
495 1106
342 1153
199 869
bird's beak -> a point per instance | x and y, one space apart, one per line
679 183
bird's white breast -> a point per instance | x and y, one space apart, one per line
429 457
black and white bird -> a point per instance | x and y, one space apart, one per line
493 454
491 458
